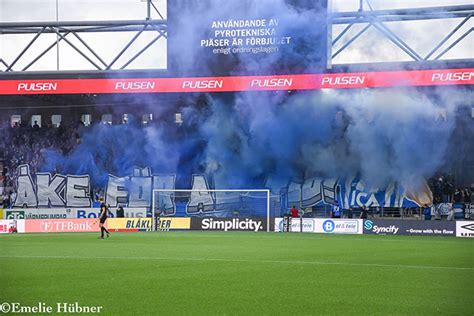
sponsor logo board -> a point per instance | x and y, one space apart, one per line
308 225
243 83
465 229
145 224
61 225
338 226
323 226
171 223
229 224
63 213
409 227
14 214
129 224
6 225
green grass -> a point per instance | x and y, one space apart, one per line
202 273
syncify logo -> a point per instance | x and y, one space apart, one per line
391 229
368 224
232 224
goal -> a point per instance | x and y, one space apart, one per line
222 203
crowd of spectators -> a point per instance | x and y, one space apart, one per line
24 143
444 190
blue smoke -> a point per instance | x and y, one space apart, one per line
243 139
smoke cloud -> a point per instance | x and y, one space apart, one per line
252 138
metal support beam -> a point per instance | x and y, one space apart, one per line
142 51
25 49
126 47
447 37
157 11
90 49
349 42
379 18
397 41
44 52
78 50
454 44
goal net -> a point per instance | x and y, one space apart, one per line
253 203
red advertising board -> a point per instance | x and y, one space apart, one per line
463 76
61 225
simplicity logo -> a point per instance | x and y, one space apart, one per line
234 224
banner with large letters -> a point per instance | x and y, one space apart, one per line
135 193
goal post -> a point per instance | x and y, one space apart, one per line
227 203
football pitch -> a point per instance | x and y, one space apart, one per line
217 273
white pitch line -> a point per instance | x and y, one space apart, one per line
379 265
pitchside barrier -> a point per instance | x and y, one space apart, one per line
409 227
310 225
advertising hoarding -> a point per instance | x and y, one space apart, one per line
465 229
12 225
229 224
409 227
322 225
61 225
57 213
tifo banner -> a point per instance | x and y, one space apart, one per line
465 229
438 77
409 227
134 193
11 226
322 225
229 224
129 224
61 225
